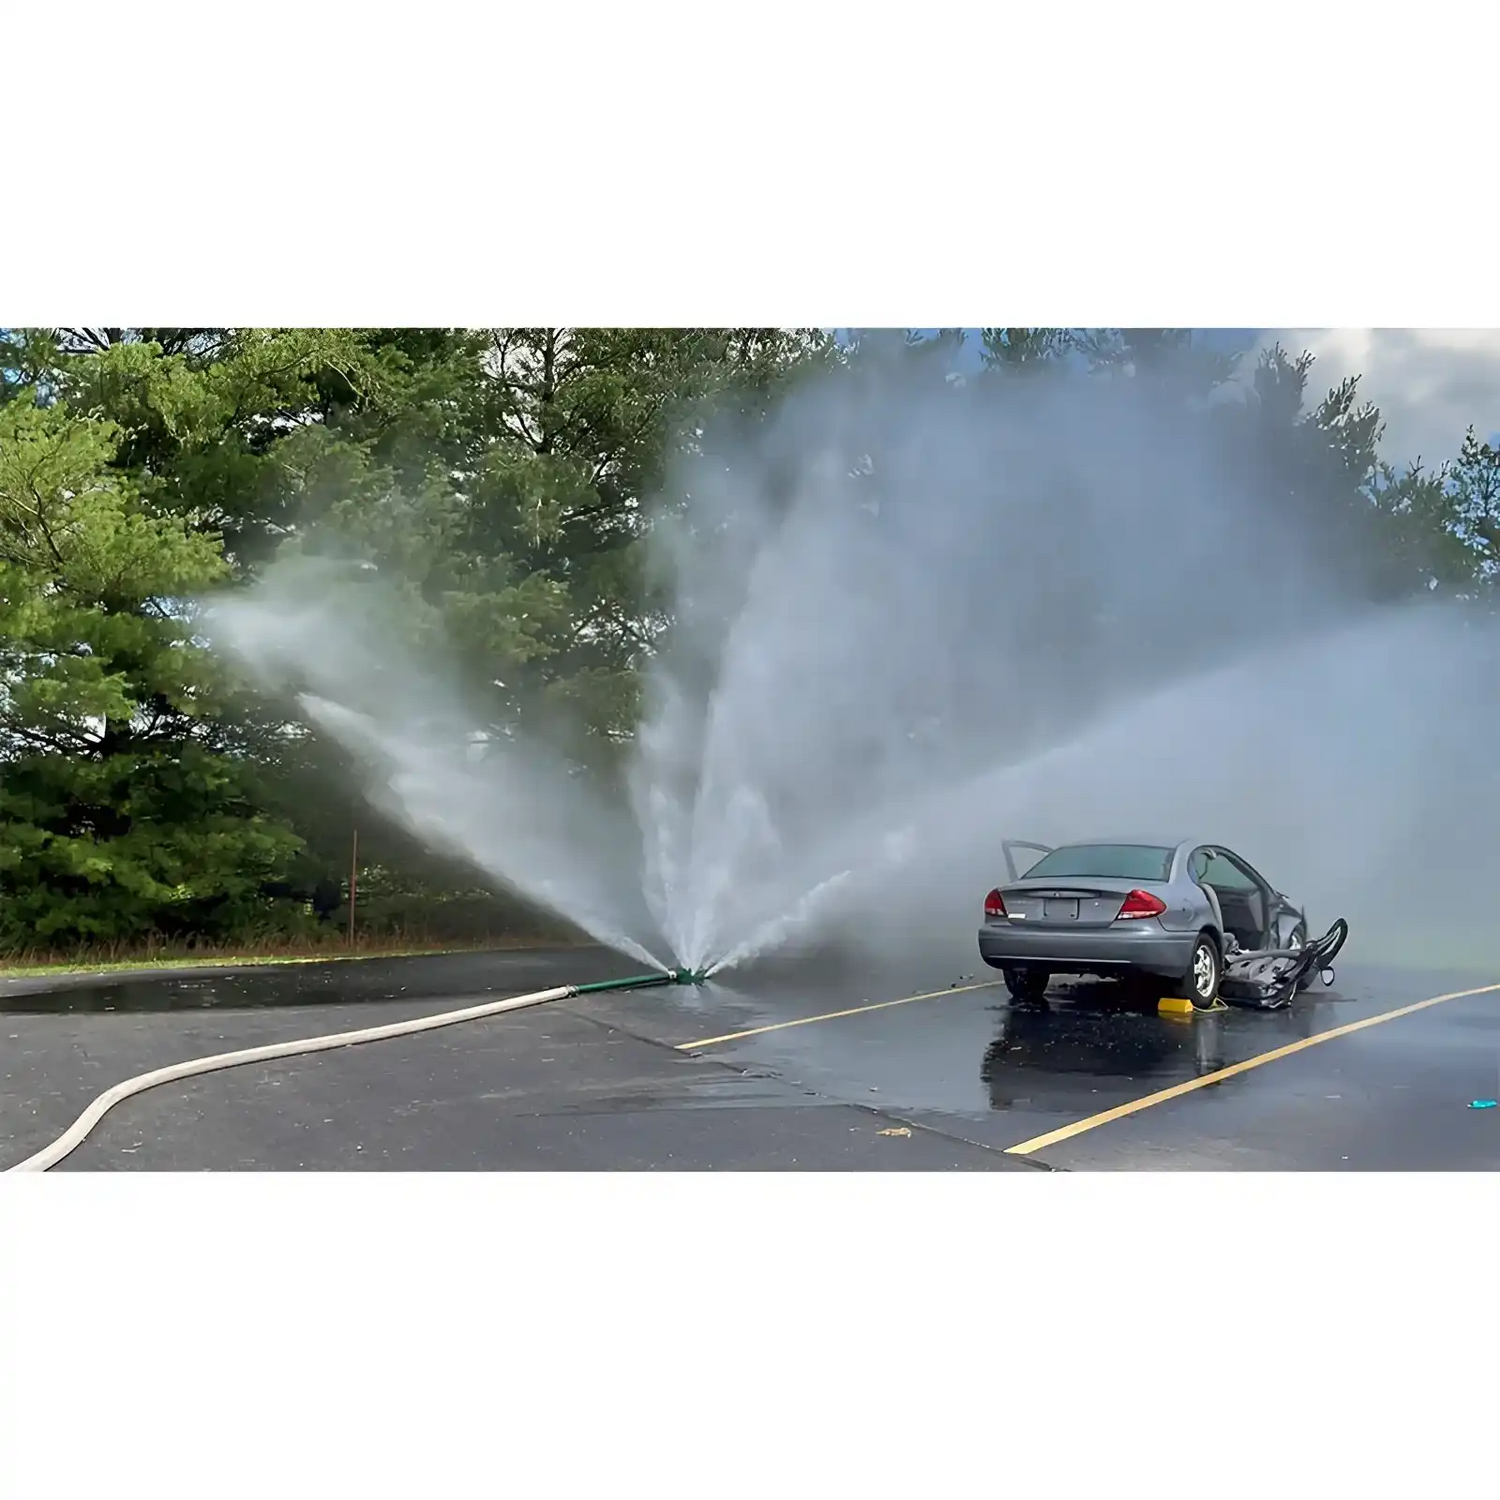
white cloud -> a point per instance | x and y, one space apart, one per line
1429 383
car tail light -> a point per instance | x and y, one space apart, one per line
1141 904
994 905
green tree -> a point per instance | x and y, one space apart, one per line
1171 357
1472 486
515 508
1311 470
120 813
1442 527
141 468
1026 349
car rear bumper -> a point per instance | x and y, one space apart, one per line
1105 950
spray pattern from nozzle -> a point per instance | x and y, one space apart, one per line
841 687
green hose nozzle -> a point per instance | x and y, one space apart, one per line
643 981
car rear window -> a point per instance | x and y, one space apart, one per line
1108 861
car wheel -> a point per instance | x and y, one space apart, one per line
1201 982
1027 985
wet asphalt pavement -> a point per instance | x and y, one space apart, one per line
666 1078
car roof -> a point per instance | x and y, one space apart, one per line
1146 841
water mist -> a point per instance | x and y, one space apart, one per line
910 621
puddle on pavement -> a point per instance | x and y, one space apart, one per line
1092 1045
1081 1051
142 996
273 986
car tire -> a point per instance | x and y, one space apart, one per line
1205 969
1027 986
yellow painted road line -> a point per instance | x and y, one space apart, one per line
834 1015
1092 1122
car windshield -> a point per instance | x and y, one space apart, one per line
1108 861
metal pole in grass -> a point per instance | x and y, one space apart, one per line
361 571
353 879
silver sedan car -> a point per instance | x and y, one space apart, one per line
1170 909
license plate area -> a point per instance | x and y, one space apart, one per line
1060 909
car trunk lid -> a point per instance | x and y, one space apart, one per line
1076 902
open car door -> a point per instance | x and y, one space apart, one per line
1011 845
